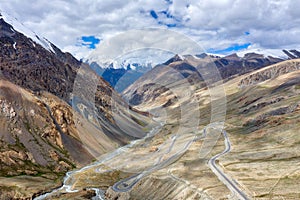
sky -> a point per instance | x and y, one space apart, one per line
219 26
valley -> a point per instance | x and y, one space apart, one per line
177 162
148 115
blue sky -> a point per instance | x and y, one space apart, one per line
89 41
230 49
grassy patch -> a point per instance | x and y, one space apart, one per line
140 122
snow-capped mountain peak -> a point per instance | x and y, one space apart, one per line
264 52
142 56
18 26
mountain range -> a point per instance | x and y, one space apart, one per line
46 129
193 127
122 75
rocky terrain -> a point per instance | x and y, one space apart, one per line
32 144
46 128
292 54
266 138
55 72
270 72
262 122
189 67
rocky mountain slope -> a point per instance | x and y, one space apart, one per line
123 76
292 54
46 128
33 67
262 123
188 67
271 72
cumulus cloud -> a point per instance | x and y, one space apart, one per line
214 24
156 41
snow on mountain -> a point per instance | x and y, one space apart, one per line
126 64
266 52
143 57
180 57
18 26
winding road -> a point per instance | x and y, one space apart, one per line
230 183
67 184
127 184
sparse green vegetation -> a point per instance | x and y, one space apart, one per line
297 87
140 122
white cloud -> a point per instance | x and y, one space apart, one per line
157 39
272 24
